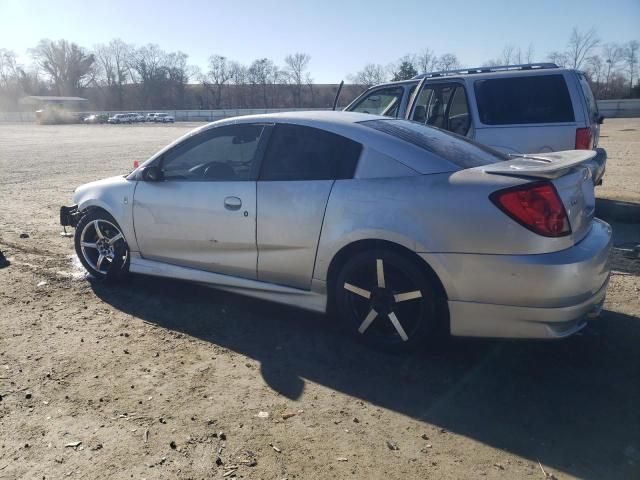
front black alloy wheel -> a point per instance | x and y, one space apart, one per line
385 300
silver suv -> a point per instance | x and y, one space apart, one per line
529 108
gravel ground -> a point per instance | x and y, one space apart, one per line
160 379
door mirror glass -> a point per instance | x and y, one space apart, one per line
151 174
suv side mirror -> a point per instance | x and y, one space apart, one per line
152 174
600 119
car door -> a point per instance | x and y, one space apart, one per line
299 169
202 213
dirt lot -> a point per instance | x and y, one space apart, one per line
147 375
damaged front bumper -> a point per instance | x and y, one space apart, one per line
69 216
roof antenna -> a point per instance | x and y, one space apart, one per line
335 100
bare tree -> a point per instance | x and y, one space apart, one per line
8 68
595 68
297 75
114 65
260 75
371 74
508 54
559 58
448 61
631 61
580 46
426 61
219 75
612 56
68 65
530 54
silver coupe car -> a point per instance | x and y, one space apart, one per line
398 228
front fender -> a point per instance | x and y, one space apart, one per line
115 196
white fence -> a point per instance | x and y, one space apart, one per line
179 115
608 108
619 108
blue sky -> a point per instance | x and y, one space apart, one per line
340 36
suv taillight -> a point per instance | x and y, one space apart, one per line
535 206
584 139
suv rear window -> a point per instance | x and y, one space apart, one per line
454 148
517 100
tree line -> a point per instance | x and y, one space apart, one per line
121 76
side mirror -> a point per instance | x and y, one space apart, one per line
152 174
600 119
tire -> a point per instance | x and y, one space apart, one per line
114 264
370 307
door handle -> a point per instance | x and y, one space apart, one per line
232 203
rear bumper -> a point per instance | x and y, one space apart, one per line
486 320
526 296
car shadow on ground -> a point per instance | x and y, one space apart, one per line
617 211
573 403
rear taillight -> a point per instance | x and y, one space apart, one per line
584 139
535 206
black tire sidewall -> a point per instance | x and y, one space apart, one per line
112 274
427 320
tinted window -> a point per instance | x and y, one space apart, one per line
592 106
532 99
458 120
304 153
456 149
384 101
224 153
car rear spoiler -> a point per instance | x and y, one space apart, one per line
544 165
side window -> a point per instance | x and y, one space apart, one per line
437 109
224 153
422 103
592 106
458 119
384 101
522 100
296 152
443 106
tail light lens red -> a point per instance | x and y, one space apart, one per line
584 139
535 206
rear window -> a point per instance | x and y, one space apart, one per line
517 100
454 148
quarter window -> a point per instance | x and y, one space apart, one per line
224 153
297 152
521 100
384 101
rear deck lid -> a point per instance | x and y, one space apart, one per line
570 174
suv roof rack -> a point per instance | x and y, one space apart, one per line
498 68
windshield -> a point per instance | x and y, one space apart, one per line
454 148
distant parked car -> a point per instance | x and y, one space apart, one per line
399 228
515 109
150 117
164 118
96 119
121 118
